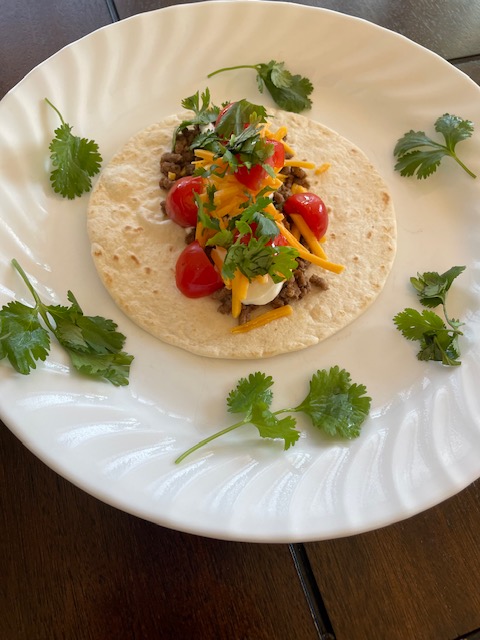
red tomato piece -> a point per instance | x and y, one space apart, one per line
222 112
312 209
253 178
180 202
195 275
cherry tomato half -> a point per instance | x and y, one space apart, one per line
253 178
180 202
195 275
311 208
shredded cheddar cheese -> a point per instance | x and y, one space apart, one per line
239 292
313 243
306 255
263 319
322 168
302 164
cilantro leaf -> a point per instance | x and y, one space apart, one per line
23 340
269 426
289 91
335 404
76 161
93 343
253 396
255 388
233 119
432 287
438 341
257 258
417 154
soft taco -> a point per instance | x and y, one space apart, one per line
136 246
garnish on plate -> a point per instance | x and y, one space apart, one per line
438 338
419 155
92 342
334 404
76 161
289 91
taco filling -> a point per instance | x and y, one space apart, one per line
240 234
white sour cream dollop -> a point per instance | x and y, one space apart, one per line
262 292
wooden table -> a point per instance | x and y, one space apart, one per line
73 568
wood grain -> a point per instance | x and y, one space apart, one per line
448 27
72 567
414 579
31 31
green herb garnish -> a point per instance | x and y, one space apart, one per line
437 340
204 112
334 404
420 155
290 92
93 344
76 160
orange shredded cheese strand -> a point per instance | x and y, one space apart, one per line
204 154
313 242
322 168
263 319
275 213
295 231
306 255
297 188
279 133
239 292
303 164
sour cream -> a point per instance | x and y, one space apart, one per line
262 291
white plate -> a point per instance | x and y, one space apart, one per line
421 443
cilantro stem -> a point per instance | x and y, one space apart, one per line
17 266
39 306
209 439
240 66
470 173
55 109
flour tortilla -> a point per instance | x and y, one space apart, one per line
135 248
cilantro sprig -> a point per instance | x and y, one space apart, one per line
419 155
438 338
289 91
334 405
236 138
93 343
248 242
76 161
204 111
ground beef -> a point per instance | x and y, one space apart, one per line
224 296
178 162
299 285
294 175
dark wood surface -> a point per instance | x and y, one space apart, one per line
72 567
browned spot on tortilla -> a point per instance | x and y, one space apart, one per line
134 258
385 197
148 270
116 257
369 234
97 252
